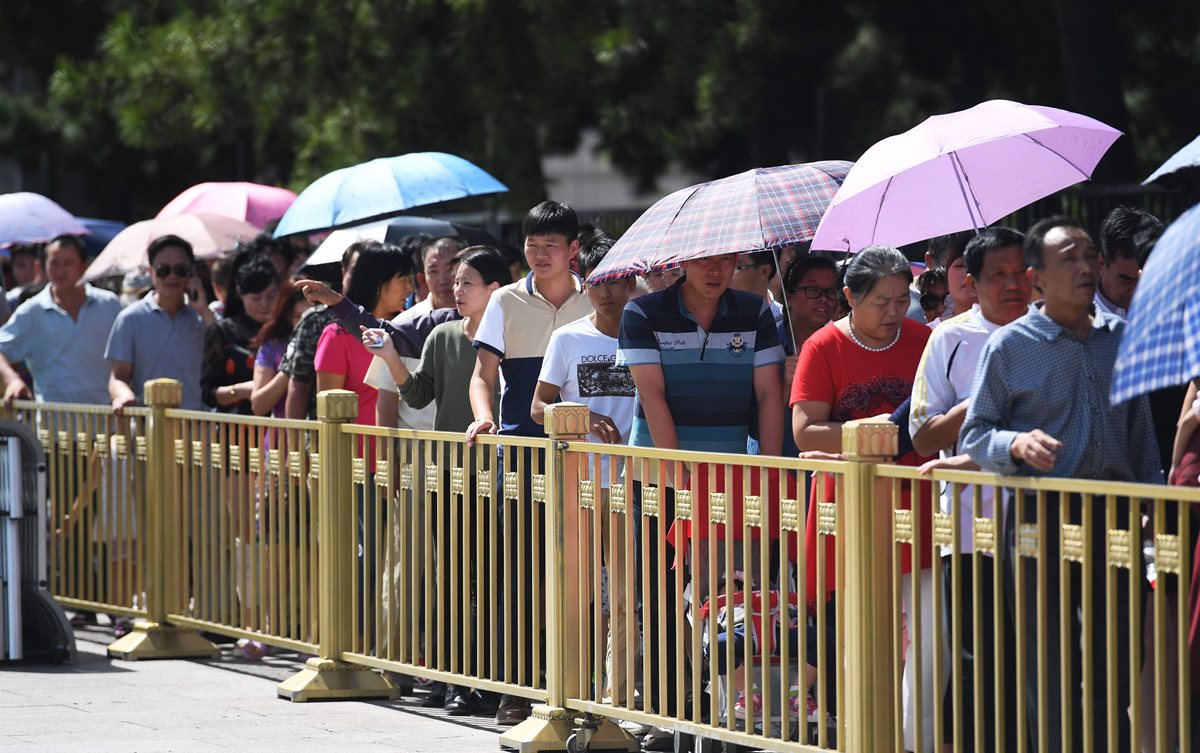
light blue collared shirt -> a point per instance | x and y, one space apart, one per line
64 355
160 347
1034 374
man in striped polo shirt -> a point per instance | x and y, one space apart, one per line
700 354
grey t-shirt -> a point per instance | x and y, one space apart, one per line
160 347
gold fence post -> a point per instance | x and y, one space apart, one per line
551 725
153 637
865 536
326 676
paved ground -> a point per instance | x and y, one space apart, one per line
99 705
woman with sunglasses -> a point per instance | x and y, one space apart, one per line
933 288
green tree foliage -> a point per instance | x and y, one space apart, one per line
145 97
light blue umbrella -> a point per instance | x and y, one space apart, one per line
1187 158
1161 344
383 188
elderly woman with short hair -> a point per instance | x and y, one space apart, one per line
863 366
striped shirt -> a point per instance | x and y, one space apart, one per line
1034 374
708 376
516 326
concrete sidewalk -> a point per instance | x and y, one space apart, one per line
99 705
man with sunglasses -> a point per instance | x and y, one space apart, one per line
162 335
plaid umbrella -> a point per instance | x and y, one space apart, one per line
757 210
1161 344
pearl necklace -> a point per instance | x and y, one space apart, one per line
864 346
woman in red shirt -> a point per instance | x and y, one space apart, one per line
859 367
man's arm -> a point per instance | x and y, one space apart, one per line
768 392
119 385
483 386
652 394
14 386
387 409
985 435
298 395
940 431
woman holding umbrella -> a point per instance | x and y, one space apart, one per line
863 366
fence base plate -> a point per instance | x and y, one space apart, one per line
150 640
328 680
549 728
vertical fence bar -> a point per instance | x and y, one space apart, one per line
153 638
326 676
867 577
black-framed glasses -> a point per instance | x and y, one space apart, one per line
180 270
930 301
815 293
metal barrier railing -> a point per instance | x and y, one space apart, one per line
96 511
687 608
618 583
1038 622
447 556
248 523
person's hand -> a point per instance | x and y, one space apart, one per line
318 292
119 403
16 390
379 343
820 455
603 427
479 426
957 463
195 292
1037 448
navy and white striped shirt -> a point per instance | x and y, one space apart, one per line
709 376
1034 374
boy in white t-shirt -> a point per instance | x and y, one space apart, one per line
581 366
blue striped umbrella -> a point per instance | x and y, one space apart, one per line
757 210
1161 345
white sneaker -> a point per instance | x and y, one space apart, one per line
637 729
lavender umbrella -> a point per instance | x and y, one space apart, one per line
32 218
961 171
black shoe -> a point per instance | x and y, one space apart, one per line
513 710
458 701
436 696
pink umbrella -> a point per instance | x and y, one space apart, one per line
961 171
249 202
209 234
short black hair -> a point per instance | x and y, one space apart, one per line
871 265
510 255
71 241
438 244
268 245
801 266
591 255
169 241
945 249
378 263
990 239
252 272
1118 230
487 261
931 278
764 259
551 218
35 251
1144 241
1035 239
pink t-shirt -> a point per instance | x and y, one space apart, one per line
339 352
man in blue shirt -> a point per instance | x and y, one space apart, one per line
162 335
1039 407
60 333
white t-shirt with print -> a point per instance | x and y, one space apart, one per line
582 362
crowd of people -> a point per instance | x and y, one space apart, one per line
998 356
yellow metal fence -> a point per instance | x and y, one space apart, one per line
773 603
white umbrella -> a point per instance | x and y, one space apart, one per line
209 234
